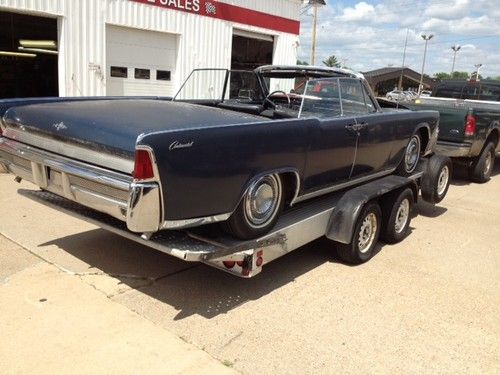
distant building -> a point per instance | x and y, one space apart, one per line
386 79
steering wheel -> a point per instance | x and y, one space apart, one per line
268 98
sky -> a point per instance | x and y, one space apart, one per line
371 34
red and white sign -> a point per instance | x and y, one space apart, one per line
228 12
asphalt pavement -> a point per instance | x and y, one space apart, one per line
75 298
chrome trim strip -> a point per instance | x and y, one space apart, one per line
63 164
297 189
343 185
70 150
188 223
99 202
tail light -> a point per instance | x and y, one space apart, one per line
143 167
470 125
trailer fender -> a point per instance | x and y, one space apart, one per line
345 214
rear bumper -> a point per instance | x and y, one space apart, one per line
114 193
454 150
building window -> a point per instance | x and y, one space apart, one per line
163 75
142 73
119 71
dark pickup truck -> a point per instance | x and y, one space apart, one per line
469 123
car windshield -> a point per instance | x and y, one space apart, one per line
221 85
332 97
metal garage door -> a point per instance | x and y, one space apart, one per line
139 62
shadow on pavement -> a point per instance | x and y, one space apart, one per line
191 288
429 210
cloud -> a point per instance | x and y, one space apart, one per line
449 10
482 25
372 35
361 11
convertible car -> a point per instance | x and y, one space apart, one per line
232 146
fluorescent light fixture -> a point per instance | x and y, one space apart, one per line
16 54
39 50
38 43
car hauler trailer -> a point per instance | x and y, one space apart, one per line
353 219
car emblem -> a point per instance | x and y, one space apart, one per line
60 126
178 145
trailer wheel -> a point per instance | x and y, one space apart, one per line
365 236
259 209
397 216
481 167
436 179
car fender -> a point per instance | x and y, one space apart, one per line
346 212
427 128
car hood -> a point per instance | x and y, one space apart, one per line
113 125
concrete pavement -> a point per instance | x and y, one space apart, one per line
428 304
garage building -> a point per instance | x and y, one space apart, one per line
387 79
136 47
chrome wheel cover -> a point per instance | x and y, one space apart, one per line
443 179
262 201
367 232
412 154
487 164
402 216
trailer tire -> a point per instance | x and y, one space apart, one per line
365 236
397 210
436 179
481 167
258 210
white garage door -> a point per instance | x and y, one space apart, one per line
139 62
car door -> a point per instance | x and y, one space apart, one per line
333 146
374 130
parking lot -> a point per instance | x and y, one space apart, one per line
75 296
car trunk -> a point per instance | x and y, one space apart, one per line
107 126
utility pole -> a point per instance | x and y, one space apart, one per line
455 49
400 85
478 66
315 4
426 38
313 48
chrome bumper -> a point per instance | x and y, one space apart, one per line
116 194
453 150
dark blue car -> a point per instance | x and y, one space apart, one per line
233 146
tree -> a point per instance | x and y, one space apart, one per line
443 76
461 75
332 62
300 62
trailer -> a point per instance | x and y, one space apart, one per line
353 219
